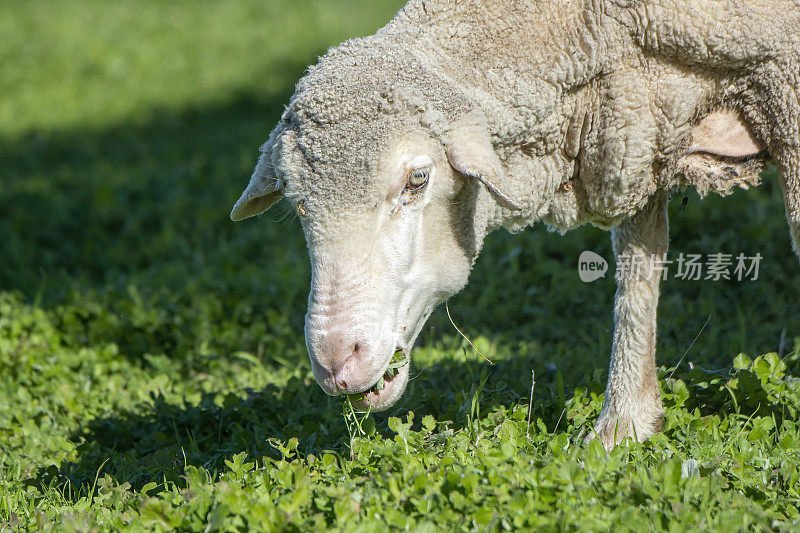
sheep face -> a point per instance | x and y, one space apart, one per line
387 188
391 230
380 268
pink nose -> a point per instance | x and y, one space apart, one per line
343 374
339 357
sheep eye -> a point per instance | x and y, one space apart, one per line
418 178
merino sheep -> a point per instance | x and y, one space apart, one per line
403 150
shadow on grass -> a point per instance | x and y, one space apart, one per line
123 232
156 444
91 206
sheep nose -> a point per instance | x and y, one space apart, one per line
336 360
344 374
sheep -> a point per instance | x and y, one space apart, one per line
403 150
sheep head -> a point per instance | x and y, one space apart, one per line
395 181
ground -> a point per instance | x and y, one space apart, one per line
152 367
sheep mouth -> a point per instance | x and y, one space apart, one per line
388 388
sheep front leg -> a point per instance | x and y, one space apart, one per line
632 406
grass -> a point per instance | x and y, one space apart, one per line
152 369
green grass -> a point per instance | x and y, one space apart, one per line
152 369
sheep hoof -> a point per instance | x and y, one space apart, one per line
613 429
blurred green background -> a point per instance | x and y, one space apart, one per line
138 323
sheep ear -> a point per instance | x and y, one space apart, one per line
470 152
263 190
